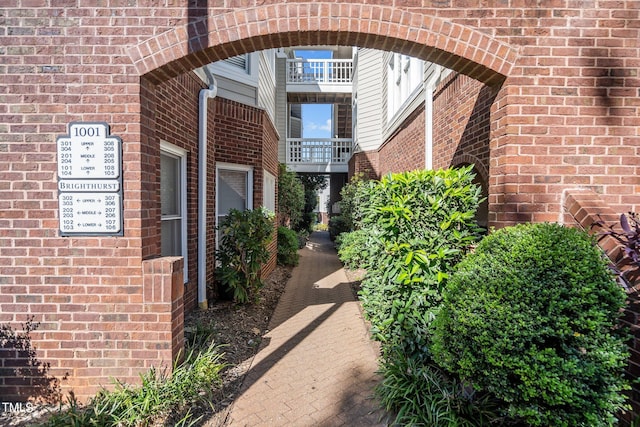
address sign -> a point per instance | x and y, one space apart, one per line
89 181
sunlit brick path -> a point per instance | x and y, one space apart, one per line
317 365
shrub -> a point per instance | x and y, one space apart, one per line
312 184
352 201
531 317
419 224
321 227
337 226
245 236
290 197
287 246
354 248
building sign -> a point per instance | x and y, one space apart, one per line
90 181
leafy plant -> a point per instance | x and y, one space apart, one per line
290 197
245 236
351 201
287 246
161 395
425 395
628 268
312 184
321 227
354 248
419 226
337 226
531 317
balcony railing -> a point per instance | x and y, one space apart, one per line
318 151
320 71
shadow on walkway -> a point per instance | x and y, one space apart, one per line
316 366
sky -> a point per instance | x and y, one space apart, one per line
316 118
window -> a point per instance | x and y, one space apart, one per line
240 61
234 189
269 192
404 77
173 204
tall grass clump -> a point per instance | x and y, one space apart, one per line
161 396
531 317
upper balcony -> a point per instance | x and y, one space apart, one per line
319 155
319 80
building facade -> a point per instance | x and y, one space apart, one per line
559 142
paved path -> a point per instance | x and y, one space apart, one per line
316 366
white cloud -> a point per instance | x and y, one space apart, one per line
315 126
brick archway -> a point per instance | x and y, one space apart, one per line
213 36
217 37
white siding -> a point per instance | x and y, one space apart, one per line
267 84
282 110
237 91
369 99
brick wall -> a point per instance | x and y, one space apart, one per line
404 149
245 135
270 163
462 123
364 163
566 114
176 122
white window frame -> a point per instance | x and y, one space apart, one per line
234 167
173 150
404 83
270 183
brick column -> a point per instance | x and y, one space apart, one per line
163 297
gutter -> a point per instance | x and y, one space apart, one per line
204 96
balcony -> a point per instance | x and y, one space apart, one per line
319 80
319 155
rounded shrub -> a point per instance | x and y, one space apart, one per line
531 317
287 246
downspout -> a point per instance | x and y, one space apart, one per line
428 121
204 96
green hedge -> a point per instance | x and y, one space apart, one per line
419 226
531 317
288 244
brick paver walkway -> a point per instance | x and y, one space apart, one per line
317 365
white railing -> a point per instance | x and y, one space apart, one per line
319 150
319 71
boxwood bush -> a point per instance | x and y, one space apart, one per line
531 317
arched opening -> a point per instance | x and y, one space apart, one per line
232 34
